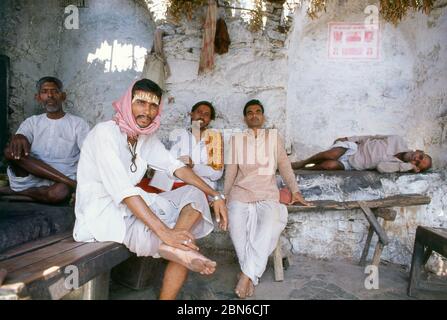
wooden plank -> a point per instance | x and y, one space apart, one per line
367 245
377 253
373 222
277 262
45 269
89 268
20 262
34 245
394 201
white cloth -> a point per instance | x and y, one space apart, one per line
56 142
141 240
351 148
105 179
255 228
184 144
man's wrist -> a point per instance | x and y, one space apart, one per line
219 196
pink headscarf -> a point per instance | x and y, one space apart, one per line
125 119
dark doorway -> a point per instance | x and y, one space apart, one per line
4 107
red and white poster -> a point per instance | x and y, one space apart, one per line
353 41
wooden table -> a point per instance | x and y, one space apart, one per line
426 241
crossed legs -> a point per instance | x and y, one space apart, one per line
180 261
326 160
58 192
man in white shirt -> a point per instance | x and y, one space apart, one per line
198 147
109 206
44 152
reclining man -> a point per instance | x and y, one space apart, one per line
384 153
256 217
109 206
44 152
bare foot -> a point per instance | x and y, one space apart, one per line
251 288
242 286
190 259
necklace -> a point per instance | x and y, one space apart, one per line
132 149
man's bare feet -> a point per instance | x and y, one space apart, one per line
190 259
244 287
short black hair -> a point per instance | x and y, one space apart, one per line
252 103
54 80
147 85
206 103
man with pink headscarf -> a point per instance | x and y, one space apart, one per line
109 207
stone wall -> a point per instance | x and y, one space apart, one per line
96 62
402 93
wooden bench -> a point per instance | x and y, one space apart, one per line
426 241
38 269
372 209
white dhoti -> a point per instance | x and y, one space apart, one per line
167 206
255 228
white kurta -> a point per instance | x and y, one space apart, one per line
56 142
186 145
105 179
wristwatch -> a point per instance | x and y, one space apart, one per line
219 197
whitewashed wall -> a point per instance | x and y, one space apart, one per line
404 92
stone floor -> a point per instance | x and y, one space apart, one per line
305 279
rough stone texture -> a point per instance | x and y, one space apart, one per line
341 234
24 222
254 67
402 93
30 37
38 44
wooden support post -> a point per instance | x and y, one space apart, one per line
374 223
277 262
416 267
377 253
366 248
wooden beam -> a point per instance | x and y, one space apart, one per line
373 222
34 245
394 201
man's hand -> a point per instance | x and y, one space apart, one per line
341 139
297 197
221 212
181 239
416 169
187 160
19 146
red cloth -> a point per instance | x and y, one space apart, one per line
144 184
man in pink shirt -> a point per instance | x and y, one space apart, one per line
255 215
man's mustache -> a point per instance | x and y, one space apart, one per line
144 117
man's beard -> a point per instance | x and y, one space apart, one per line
51 109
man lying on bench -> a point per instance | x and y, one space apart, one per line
384 153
